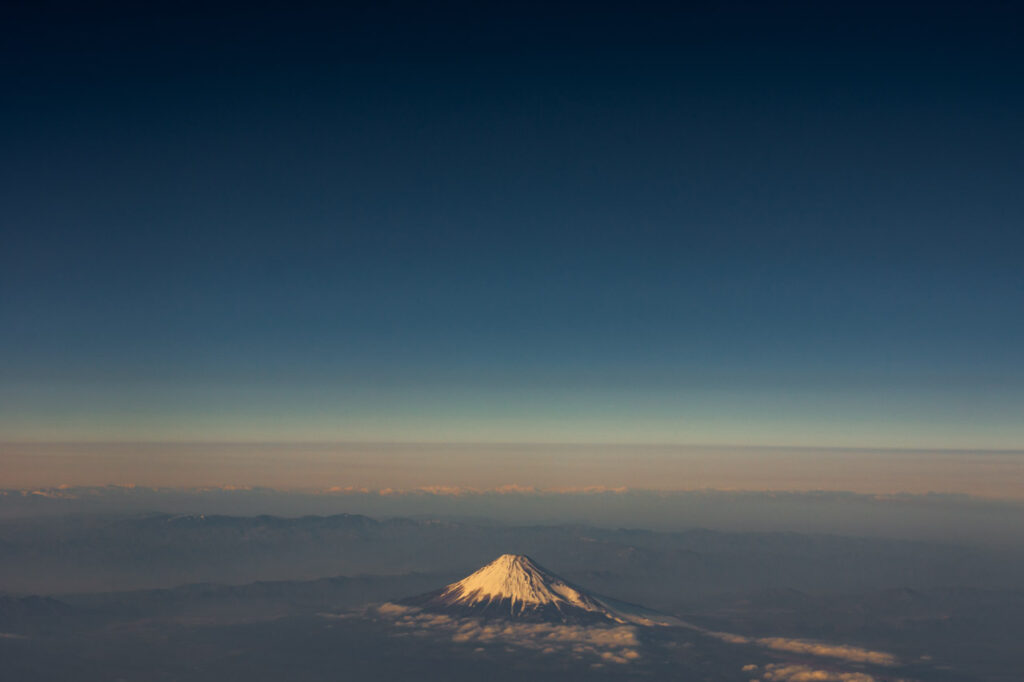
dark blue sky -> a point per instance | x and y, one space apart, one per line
723 225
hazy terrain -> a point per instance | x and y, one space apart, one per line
448 342
156 595
935 516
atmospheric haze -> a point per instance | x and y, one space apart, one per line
548 341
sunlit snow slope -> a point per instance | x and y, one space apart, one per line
515 586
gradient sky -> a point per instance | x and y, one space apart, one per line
731 226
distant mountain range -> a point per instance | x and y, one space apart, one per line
105 554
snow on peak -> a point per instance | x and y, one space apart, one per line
518 579
514 585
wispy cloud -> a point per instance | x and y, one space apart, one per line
808 647
467 491
840 651
784 672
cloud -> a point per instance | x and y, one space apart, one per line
808 647
389 609
335 489
61 493
451 490
470 491
784 672
586 490
608 644
516 488
841 651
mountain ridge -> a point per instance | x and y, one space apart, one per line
516 587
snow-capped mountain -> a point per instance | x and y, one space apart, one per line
515 586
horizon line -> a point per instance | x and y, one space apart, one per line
473 443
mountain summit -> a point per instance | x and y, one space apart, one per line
515 586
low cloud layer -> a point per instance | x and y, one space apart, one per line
604 644
840 651
843 652
785 672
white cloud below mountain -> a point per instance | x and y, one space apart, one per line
785 672
604 644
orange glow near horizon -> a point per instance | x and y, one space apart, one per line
458 467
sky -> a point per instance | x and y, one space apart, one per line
727 226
